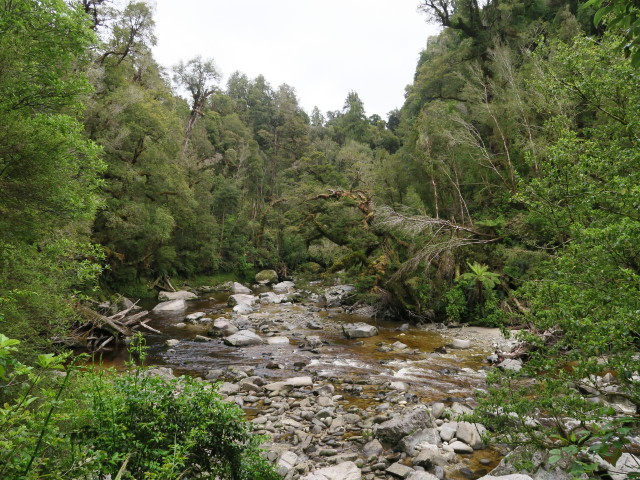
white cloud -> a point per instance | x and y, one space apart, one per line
323 49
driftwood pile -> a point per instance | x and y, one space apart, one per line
98 331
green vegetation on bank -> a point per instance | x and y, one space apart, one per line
503 192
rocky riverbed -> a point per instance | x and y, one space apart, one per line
339 395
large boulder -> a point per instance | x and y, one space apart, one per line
342 471
222 328
394 430
267 298
170 306
266 277
243 309
243 338
359 330
471 434
179 295
239 288
336 296
429 436
241 298
283 287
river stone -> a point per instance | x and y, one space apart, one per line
359 330
460 447
372 449
299 382
286 462
243 338
515 476
239 288
243 309
399 470
268 298
335 296
401 386
342 471
179 295
172 342
241 299
422 476
514 364
228 388
392 431
283 287
431 455
194 317
170 306
222 327
265 277
448 431
399 346
278 341
460 343
471 434
425 436
437 409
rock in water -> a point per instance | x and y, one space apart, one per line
335 296
179 295
359 330
266 277
170 306
392 431
243 338
241 298
342 471
460 343
239 288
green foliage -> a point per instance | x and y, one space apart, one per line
623 16
94 423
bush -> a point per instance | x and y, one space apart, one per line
95 423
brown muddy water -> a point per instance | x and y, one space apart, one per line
360 371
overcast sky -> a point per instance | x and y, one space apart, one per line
322 48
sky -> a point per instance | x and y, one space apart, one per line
322 48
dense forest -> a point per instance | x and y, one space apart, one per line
504 192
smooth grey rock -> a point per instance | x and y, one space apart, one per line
286 462
229 388
239 288
392 431
299 382
514 476
179 295
371 449
243 338
399 470
241 298
265 277
283 287
460 447
243 309
278 341
471 434
359 330
163 372
448 431
400 386
425 436
222 327
460 343
268 298
172 342
202 338
335 296
431 455
422 476
170 306
194 317
342 471
437 409
514 364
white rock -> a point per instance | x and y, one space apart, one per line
243 309
170 306
241 298
278 341
460 447
283 287
470 433
299 382
194 317
359 330
243 338
460 343
179 295
448 431
342 471
239 288
267 298
286 462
